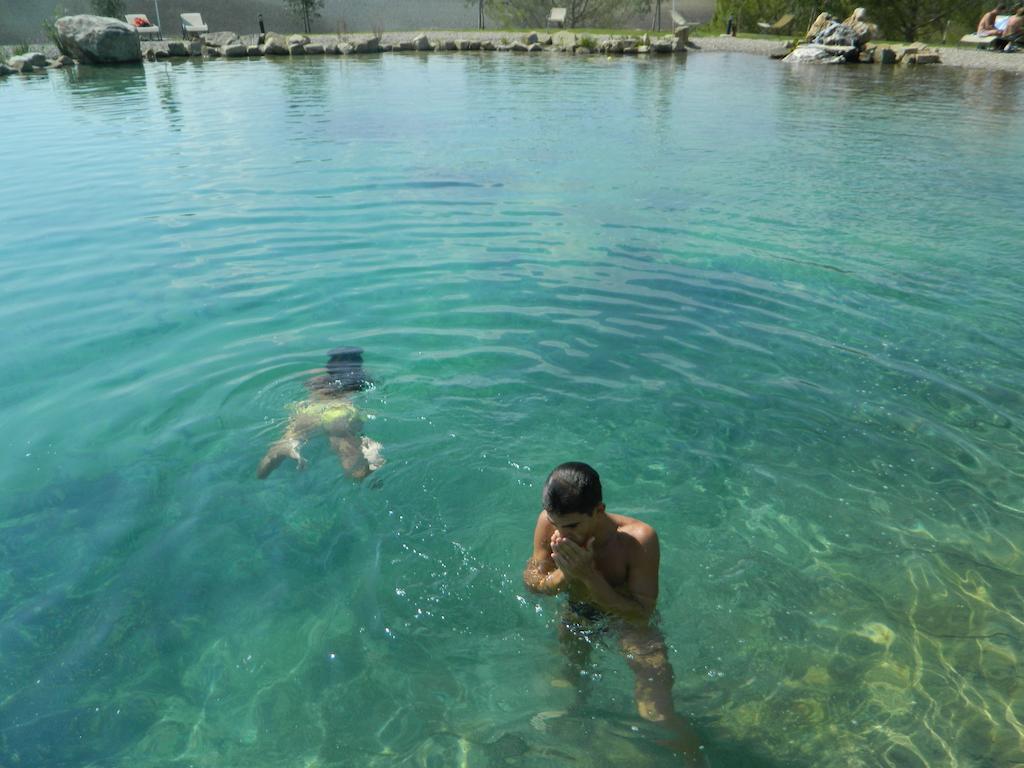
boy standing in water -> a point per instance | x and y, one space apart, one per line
608 566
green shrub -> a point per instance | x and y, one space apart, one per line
21 49
50 27
115 9
587 42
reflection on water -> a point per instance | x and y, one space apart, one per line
752 295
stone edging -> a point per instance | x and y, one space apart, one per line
227 45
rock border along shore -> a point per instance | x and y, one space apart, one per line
230 45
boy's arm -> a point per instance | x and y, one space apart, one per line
541 574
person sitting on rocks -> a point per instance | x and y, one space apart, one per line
863 29
818 25
987 24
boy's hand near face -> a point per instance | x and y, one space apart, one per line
576 562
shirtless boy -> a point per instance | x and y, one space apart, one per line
987 24
608 567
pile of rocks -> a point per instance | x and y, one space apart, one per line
830 41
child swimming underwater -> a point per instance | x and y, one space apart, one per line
328 408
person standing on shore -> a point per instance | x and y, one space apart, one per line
608 567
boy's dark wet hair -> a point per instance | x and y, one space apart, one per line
344 373
572 488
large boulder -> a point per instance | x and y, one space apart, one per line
98 40
820 54
421 42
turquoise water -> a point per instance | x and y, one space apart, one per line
778 308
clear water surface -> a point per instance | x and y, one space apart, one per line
778 308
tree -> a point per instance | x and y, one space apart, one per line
910 19
579 13
307 10
115 9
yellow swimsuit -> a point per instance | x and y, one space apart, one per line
327 412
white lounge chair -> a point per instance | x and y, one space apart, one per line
192 25
556 18
141 24
987 41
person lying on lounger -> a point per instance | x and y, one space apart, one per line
329 408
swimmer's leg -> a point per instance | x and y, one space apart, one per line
647 655
350 454
287 447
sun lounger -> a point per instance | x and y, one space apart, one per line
981 41
779 26
192 25
142 25
556 18
993 42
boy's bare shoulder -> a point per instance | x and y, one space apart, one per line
639 531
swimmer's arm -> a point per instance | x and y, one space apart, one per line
636 602
541 575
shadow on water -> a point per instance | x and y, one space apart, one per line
993 91
86 83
